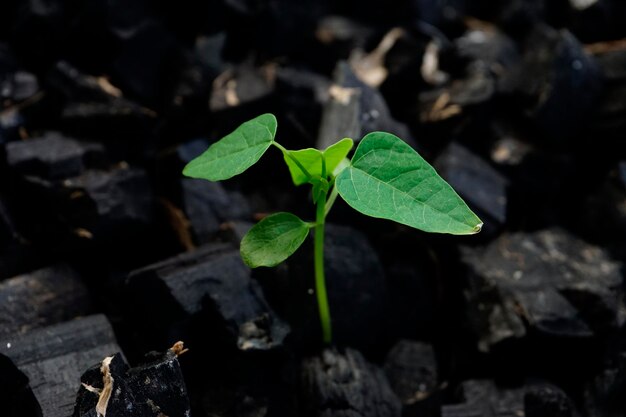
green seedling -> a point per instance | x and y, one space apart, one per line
385 178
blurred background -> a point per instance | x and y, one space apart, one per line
105 247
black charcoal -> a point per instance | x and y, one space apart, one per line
545 400
52 156
210 282
208 205
53 294
483 398
411 368
152 389
355 109
346 385
549 280
54 357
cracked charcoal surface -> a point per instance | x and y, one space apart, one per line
346 385
53 295
547 281
152 389
54 357
411 368
210 282
52 156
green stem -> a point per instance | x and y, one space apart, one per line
331 200
320 280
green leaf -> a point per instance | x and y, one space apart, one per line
389 180
273 239
236 152
320 188
311 160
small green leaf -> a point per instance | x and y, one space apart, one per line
320 188
311 160
389 180
236 152
273 239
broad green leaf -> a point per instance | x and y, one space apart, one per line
311 160
236 152
388 179
273 239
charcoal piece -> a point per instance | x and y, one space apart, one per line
346 385
547 400
152 389
244 84
412 372
52 156
483 398
492 48
16 397
356 287
480 185
549 279
562 82
208 205
355 109
53 294
210 285
117 198
54 357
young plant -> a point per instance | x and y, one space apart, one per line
385 178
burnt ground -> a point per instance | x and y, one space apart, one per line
106 251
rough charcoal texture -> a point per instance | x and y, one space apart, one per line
53 294
483 398
411 368
52 156
355 110
208 205
54 357
16 396
546 400
209 285
346 385
547 282
152 389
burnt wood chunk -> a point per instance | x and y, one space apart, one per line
338 384
411 368
40 298
208 205
354 109
545 400
54 357
155 388
482 398
52 156
548 281
211 283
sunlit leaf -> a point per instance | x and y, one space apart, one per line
389 180
311 160
236 152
